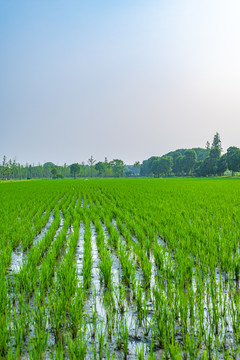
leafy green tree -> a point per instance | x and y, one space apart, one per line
100 167
64 170
74 169
137 164
4 168
166 165
178 167
144 169
161 166
207 145
206 168
118 167
54 173
47 169
222 165
91 163
189 160
217 144
196 171
210 165
156 167
233 159
107 167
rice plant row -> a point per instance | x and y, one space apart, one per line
120 269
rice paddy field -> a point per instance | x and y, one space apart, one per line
120 269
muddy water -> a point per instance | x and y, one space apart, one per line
96 283
79 252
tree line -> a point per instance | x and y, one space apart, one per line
194 162
115 168
183 162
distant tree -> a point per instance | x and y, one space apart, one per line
207 145
137 167
222 165
210 165
233 159
107 167
166 165
100 167
145 169
156 167
64 170
74 169
54 173
4 168
206 167
215 155
91 163
175 156
217 144
137 164
196 171
118 167
161 166
178 165
189 160
47 169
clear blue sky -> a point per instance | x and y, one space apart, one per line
121 79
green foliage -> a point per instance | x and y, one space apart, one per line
75 169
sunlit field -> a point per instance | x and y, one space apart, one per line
123 268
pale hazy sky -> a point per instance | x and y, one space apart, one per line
123 79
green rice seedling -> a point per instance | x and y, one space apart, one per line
5 316
151 355
105 267
146 323
118 333
110 322
94 351
146 266
57 305
19 332
94 319
101 341
175 350
193 345
38 343
235 352
159 254
125 334
139 301
108 354
141 352
77 348
108 299
120 294
161 321
58 352
209 342
127 265
76 311
87 258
